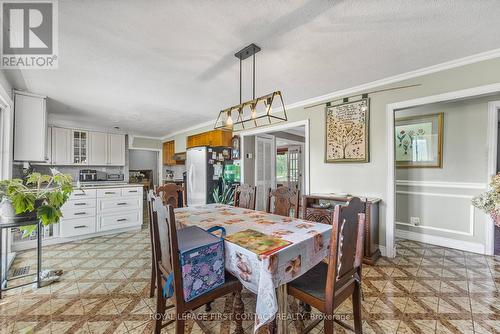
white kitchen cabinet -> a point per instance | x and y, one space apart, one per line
98 148
61 146
79 147
30 127
116 149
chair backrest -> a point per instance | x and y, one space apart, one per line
169 194
244 196
150 195
285 199
346 247
166 246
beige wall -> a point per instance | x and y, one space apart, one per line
370 178
465 161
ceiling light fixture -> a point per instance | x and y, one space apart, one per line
256 112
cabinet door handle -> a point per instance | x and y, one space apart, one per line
109 193
79 204
80 226
132 191
81 194
122 203
121 220
79 213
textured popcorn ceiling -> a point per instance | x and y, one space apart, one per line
155 67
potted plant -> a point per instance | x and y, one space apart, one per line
489 201
38 197
226 196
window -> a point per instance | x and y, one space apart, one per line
282 167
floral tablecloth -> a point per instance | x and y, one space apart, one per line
263 274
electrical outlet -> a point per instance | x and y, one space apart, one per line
415 221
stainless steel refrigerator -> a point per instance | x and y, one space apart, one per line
204 168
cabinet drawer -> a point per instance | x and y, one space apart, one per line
119 204
74 227
112 221
78 213
132 191
79 204
109 192
82 193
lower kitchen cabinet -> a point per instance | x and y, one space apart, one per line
91 211
75 227
111 221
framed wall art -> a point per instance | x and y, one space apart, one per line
347 132
419 141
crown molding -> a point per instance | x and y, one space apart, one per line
476 58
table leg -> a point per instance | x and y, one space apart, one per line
282 310
1 262
39 253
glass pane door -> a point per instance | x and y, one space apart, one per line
80 147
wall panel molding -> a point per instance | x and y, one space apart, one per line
441 241
442 184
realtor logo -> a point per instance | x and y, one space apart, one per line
29 34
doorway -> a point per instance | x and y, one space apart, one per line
276 156
485 245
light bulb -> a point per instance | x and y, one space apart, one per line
269 108
254 111
229 120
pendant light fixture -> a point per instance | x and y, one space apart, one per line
256 112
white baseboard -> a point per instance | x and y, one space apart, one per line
24 245
442 241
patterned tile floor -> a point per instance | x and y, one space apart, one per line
425 289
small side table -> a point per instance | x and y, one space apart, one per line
18 222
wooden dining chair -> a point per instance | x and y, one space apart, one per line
244 196
152 283
326 286
285 199
169 194
167 254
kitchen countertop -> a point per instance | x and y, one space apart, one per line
108 185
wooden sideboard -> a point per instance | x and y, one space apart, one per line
325 215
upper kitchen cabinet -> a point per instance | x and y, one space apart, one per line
98 148
30 127
116 149
213 138
168 153
61 146
80 141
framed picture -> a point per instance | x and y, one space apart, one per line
347 132
419 141
235 148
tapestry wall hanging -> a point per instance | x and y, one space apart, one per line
419 141
347 132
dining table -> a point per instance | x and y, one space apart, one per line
301 245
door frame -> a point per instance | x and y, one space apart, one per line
159 158
493 110
279 127
391 168
273 164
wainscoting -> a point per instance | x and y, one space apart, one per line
447 217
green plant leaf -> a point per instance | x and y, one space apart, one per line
48 214
27 230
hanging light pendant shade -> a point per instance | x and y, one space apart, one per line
261 111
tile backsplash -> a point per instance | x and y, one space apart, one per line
177 169
17 171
